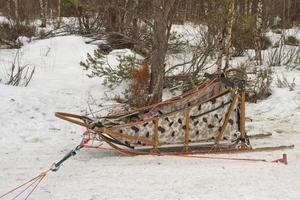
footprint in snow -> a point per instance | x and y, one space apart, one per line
54 129
94 197
31 140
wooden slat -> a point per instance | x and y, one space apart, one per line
243 115
124 135
187 130
72 118
155 133
228 114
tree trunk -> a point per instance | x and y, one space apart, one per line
228 40
250 4
111 19
8 5
16 2
258 32
162 24
129 17
43 8
59 9
220 52
246 7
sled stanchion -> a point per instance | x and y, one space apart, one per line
155 137
243 115
227 116
187 130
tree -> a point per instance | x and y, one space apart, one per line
59 9
258 32
162 16
44 8
228 40
16 4
224 19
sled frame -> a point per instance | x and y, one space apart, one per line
107 133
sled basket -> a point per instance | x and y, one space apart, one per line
210 118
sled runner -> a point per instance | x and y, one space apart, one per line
208 119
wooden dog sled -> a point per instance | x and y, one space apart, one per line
209 119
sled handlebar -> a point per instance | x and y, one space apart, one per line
76 119
229 82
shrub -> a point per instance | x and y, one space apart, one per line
120 41
291 40
42 33
11 32
141 49
283 55
284 83
282 25
139 86
266 43
277 31
243 34
18 74
258 84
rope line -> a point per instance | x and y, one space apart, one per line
219 158
31 182
15 197
35 187
14 189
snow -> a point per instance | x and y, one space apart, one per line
3 19
189 32
32 139
276 37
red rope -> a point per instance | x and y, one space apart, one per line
38 178
219 158
170 101
15 197
43 176
281 160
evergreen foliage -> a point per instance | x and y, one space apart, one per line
98 66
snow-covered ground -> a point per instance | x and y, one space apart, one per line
31 139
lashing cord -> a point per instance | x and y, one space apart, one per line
185 96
